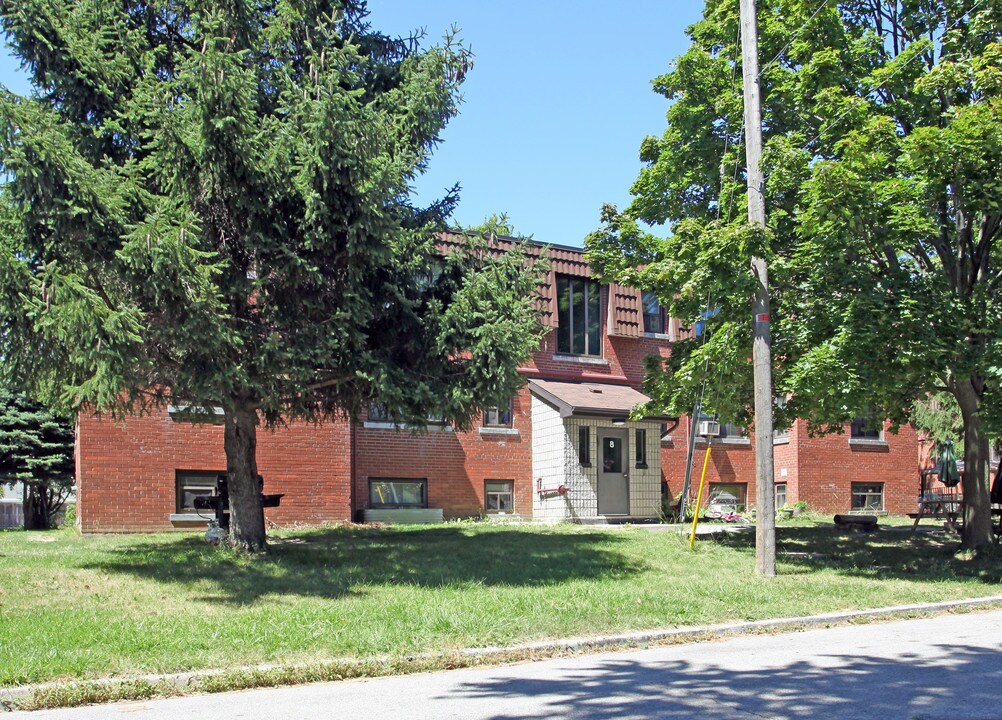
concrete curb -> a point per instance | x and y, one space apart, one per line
737 628
9 696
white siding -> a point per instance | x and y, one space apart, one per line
556 459
548 450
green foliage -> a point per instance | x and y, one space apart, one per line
209 202
938 416
495 225
36 449
883 139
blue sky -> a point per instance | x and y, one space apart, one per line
554 110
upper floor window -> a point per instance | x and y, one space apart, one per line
733 431
498 416
380 414
866 429
578 317
728 431
654 314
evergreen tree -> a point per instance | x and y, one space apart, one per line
210 205
36 450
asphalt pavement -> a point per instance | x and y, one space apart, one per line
947 667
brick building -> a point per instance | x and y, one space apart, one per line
563 450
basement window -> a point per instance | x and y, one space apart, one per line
867 497
499 497
398 493
191 484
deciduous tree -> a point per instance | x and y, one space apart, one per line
883 126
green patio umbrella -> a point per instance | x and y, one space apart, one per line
947 465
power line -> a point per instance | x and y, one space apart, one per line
793 39
894 72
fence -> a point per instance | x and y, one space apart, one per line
11 514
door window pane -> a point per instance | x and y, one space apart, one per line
612 454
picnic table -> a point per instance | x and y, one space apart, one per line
939 506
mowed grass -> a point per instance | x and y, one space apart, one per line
98 606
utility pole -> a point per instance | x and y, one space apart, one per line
687 481
765 499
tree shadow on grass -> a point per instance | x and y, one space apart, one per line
958 682
343 561
888 553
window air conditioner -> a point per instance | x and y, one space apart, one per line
709 428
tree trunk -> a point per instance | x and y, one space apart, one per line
977 532
246 514
36 515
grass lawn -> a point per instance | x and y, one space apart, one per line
96 606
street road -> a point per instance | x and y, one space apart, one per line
943 668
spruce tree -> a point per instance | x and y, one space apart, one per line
36 450
209 203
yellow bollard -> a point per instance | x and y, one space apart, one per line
699 495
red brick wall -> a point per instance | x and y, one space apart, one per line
455 464
819 470
126 470
730 462
830 464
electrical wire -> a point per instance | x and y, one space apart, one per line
793 39
896 70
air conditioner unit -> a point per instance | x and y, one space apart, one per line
708 428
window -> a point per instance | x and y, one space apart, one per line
499 496
498 416
727 497
398 493
187 412
429 276
732 431
729 431
584 446
654 314
780 433
780 495
192 484
868 497
578 317
866 429
641 448
379 414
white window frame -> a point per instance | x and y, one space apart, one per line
489 493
